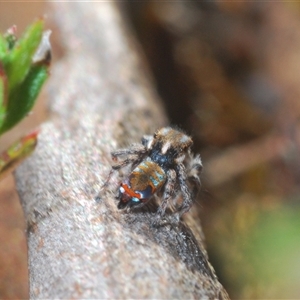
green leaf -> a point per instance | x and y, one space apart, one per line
2 89
17 152
10 37
3 94
22 99
3 47
20 57
2 115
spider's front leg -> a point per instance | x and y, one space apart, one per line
147 141
168 192
187 196
193 171
134 154
134 149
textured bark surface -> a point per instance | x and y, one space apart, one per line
100 99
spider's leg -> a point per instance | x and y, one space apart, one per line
147 141
135 154
134 149
194 170
125 162
168 192
187 196
131 159
105 184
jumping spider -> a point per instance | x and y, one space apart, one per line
162 163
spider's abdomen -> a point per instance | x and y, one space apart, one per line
143 182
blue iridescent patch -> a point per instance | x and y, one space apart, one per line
146 193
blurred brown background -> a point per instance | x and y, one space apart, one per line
229 74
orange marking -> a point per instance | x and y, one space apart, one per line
129 191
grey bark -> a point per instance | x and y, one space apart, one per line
101 98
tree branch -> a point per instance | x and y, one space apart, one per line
101 98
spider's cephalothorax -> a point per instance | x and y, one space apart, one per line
163 162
